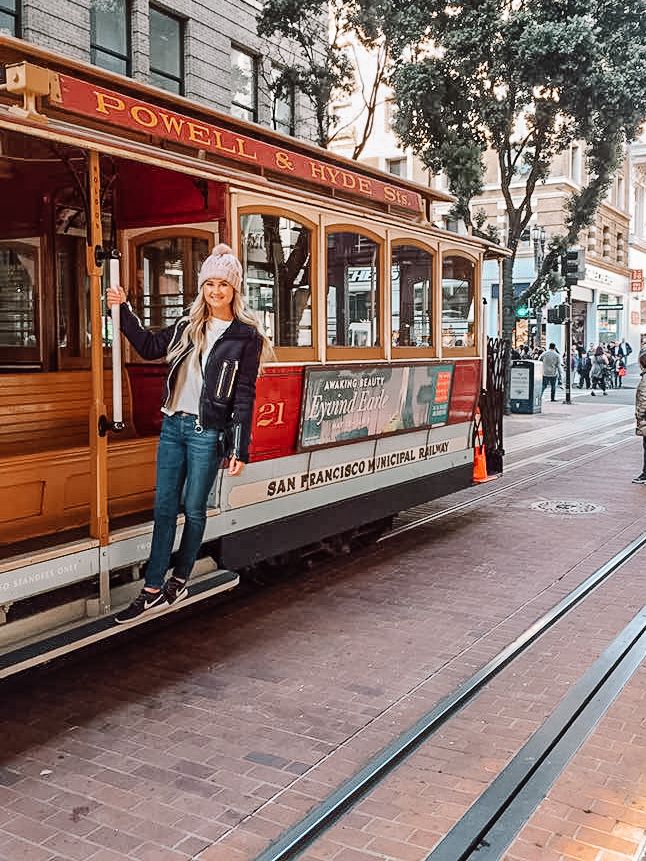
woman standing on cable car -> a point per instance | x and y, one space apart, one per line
214 352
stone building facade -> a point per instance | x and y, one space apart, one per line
600 301
208 51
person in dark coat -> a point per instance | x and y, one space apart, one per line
584 367
640 413
214 352
598 371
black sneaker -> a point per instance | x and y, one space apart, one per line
641 479
145 602
174 590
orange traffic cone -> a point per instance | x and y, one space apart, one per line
479 455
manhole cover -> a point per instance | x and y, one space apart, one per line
561 506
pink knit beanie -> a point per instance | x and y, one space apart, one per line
221 263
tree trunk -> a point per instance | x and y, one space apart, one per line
508 304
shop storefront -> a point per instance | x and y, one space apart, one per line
606 295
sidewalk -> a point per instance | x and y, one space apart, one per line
559 421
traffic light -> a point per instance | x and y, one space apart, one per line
558 314
573 266
522 312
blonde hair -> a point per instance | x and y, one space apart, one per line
198 316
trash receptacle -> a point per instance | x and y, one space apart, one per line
526 386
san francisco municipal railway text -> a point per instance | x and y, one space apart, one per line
353 469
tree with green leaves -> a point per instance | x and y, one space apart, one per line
525 79
325 69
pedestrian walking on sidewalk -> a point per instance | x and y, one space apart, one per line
640 413
551 369
599 371
624 350
620 371
214 352
584 368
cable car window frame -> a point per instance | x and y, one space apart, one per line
431 351
135 239
302 353
25 356
474 349
378 351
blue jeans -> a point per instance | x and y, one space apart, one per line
184 457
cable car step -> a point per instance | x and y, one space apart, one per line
16 659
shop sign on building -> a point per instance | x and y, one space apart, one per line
604 279
349 403
636 280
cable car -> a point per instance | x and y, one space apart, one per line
366 411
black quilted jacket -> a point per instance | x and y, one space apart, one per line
229 387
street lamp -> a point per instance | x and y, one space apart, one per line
539 237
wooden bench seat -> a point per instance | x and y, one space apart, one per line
45 458
48 411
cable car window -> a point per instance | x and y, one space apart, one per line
412 297
458 306
167 271
19 287
276 257
353 290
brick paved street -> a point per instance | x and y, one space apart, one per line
207 738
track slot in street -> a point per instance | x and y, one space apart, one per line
490 825
311 827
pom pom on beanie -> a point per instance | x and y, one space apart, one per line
221 263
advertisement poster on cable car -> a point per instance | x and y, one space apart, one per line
343 404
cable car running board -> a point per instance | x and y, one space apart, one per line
26 657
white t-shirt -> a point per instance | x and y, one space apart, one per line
188 388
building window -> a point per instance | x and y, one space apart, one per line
621 249
244 85
283 109
458 307
397 166
277 260
606 242
167 271
110 35
412 296
10 17
620 192
390 108
166 51
575 164
353 290
592 239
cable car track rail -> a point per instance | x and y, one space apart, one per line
303 834
496 817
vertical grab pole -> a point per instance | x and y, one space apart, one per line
98 441
117 395
485 341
